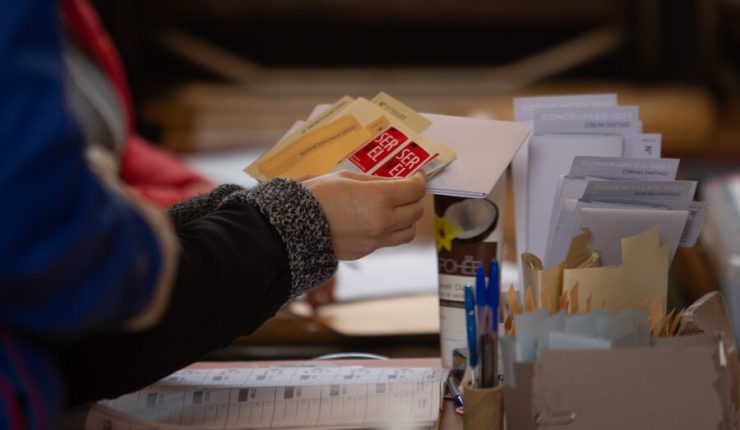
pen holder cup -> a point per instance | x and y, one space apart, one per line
483 408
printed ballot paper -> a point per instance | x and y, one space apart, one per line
319 396
383 137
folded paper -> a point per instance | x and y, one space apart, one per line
642 276
546 284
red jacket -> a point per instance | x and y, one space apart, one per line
150 173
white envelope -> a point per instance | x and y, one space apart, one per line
570 189
524 111
551 156
484 150
609 225
573 187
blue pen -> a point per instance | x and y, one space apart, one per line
472 329
494 293
480 298
481 301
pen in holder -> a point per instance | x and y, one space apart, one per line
483 407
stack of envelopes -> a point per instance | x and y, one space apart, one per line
380 137
384 137
589 166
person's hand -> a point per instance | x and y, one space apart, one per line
367 212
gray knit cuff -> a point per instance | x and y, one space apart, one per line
185 211
297 215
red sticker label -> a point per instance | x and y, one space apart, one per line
377 149
405 162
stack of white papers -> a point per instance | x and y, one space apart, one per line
279 397
588 164
620 197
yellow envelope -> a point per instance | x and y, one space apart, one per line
321 144
309 126
315 153
398 110
332 134
321 119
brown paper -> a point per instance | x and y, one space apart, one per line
574 299
564 302
513 301
529 304
655 312
674 326
643 275
547 284
666 327
483 408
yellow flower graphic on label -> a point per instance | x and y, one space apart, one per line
446 231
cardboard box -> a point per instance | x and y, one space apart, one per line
679 383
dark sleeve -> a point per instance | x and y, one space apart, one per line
193 208
234 273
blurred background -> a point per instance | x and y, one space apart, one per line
265 63
220 81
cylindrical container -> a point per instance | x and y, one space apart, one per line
469 233
483 408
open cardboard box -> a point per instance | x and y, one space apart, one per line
680 383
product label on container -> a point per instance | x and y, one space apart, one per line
457 268
468 236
